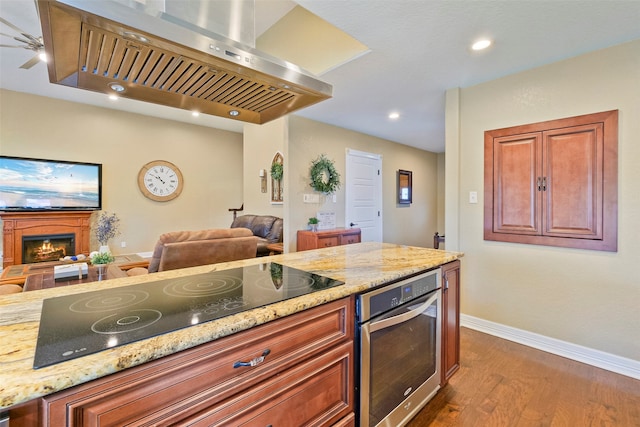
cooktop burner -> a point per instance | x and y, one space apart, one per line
76 325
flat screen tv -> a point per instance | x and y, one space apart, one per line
43 185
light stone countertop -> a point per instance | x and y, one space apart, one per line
361 266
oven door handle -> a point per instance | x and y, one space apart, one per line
391 321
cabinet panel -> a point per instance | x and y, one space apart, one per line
554 183
450 320
183 385
572 167
516 198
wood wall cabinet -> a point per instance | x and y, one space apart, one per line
554 183
326 238
305 378
450 320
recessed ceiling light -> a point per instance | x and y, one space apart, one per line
135 36
394 116
234 113
116 87
481 44
42 56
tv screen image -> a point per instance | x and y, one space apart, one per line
38 184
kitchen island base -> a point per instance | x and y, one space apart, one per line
300 371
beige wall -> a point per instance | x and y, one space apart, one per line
261 143
210 160
588 298
409 225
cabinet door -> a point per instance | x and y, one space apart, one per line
516 201
571 174
554 183
450 320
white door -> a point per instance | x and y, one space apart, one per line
363 194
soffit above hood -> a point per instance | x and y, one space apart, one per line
96 45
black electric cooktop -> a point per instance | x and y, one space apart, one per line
72 326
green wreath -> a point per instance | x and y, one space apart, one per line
324 176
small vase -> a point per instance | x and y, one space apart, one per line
102 271
104 249
314 227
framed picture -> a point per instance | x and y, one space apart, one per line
404 187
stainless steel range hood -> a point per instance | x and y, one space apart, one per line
106 46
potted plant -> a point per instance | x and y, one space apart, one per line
100 260
106 229
313 223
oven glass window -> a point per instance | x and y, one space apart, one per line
403 357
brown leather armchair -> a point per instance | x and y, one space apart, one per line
267 228
181 249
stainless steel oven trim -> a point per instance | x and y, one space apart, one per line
364 298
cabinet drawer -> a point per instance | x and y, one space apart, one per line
327 242
316 393
189 382
349 239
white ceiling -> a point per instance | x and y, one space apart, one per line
419 49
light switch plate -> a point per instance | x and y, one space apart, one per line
473 197
311 198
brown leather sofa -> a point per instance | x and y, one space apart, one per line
267 228
181 249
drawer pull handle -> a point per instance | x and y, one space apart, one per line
253 362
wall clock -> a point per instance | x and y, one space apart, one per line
160 180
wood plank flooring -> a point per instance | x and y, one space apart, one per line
501 383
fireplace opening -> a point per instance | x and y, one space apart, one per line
50 247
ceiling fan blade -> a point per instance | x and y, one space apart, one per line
9 24
30 63
10 45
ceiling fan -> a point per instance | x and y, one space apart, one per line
29 42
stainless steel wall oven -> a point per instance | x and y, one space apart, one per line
400 336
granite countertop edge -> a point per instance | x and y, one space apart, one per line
361 266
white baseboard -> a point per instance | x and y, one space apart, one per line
597 358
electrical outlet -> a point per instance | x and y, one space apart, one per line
123 244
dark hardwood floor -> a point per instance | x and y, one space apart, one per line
501 383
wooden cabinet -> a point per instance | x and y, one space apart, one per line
299 371
327 238
554 183
450 320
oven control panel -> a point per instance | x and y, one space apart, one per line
395 294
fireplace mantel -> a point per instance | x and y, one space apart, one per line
18 224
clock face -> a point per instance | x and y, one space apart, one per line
160 180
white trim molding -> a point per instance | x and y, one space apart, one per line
597 358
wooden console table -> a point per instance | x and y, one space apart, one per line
46 280
326 238
23 271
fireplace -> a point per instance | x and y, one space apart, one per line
47 247
18 225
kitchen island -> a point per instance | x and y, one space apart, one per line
360 266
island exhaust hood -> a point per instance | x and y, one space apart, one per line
108 47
